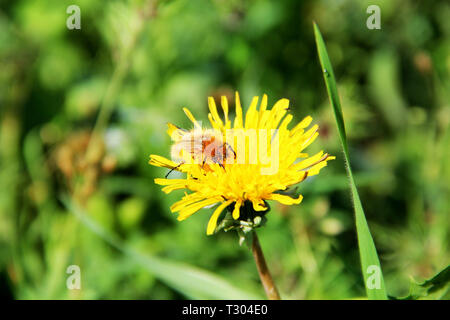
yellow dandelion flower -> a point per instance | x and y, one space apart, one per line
240 164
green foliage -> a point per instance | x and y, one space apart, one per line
434 288
190 281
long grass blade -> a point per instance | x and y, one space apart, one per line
371 269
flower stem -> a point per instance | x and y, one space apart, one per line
264 274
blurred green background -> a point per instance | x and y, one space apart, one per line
143 61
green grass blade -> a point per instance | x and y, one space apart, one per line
373 277
190 281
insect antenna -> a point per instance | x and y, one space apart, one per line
174 168
230 148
